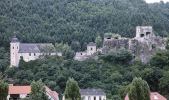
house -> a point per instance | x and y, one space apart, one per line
153 96
19 92
29 51
91 94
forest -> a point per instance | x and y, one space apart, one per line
70 25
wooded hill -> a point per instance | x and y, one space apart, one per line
78 22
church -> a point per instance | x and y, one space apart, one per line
29 51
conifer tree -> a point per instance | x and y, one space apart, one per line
3 89
139 90
72 91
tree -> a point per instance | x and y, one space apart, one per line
98 41
164 82
38 91
139 90
3 89
72 91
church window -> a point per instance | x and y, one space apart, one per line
29 54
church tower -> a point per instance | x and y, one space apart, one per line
14 49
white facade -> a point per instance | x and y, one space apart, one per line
21 96
91 50
93 97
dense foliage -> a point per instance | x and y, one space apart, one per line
139 90
3 88
113 77
38 91
78 21
72 90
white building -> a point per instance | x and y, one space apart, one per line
91 94
29 51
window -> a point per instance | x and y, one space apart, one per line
13 47
89 98
141 35
81 53
91 48
34 54
29 54
100 98
94 98
148 33
17 47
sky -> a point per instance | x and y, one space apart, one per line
152 1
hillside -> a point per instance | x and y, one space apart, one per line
78 21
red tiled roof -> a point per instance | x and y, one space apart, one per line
153 96
19 89
53 94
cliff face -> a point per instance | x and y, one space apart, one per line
141 49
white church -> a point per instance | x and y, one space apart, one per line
29 51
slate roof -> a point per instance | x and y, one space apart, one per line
91 44
14 39
92 92
36 48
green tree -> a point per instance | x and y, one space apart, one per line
38 91
72 91
164 83
3 89
139 90
98 41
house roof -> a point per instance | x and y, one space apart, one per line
92 92
91 44
36 48
19 89
153 96
53 94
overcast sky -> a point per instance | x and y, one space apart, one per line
151 1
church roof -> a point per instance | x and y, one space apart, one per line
14 39
92 92
36 48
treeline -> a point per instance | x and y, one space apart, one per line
78 21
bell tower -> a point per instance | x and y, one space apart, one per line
14 49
